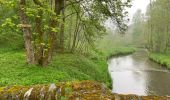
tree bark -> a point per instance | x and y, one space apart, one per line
53 24
38 54
26 34
38 29
62 27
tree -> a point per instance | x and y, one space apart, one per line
138 28
40 50
41 24
158 25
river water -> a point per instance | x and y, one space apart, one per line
136 74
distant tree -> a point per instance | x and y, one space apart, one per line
137 28
158 26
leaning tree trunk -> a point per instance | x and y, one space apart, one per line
26 34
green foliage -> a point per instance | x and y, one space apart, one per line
10 35
87 27
158 34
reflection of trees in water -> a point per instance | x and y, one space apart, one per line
159 82
140 57
143 73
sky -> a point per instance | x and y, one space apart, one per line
138 4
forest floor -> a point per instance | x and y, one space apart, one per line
64 67
161 58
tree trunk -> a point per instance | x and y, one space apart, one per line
26 34
75 34
39 56
70 33
167 39
62 28
52 38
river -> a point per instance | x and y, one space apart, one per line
136 74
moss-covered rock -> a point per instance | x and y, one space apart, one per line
85 90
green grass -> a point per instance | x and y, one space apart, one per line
64 67
118 51
163 59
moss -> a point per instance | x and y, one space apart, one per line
84 90
2 89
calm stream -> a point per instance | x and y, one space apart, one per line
136 74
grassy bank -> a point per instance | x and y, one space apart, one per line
163 59
64 67
118 51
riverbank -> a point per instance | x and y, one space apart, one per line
64 67
121 51
163 59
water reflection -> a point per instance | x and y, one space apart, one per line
136 74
